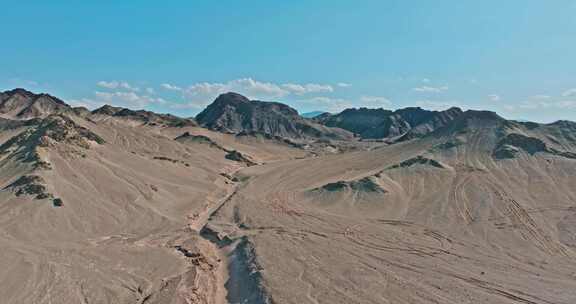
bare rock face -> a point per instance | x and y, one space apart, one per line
234 113
23 104
381 123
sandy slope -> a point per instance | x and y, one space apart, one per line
126 231
150 219
476 230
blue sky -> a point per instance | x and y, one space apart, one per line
515 57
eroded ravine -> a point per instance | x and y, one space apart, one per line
236 280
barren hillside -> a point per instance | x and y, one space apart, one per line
123 206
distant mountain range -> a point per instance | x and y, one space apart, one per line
312 114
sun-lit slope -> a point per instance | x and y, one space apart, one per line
92 210
444 219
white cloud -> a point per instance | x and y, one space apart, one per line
170 87
86 102
437 105
150 91
569 93
428 89
301 89
112 85
202 93
494 97
542 104
128 99
375 102
250 87
540 97
256 88
323 103
344 85
426 80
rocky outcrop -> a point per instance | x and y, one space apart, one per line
187 137
32 185
57 129
513 144
50 132
239 157
364 185
418 160
234 113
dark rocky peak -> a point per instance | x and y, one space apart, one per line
474 120
234 113
381 123
231 98
107 110
366 111
22 104
242 104
563 124
482 115
413 115
19 91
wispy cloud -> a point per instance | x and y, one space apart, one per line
429 89
301 89
494 97
569 93
129 99
113 85
171 87
541 96
375 102
344 84
132 100
202 93
542 104
323 103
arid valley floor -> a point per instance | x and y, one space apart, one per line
251 203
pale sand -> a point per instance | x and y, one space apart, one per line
475 231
